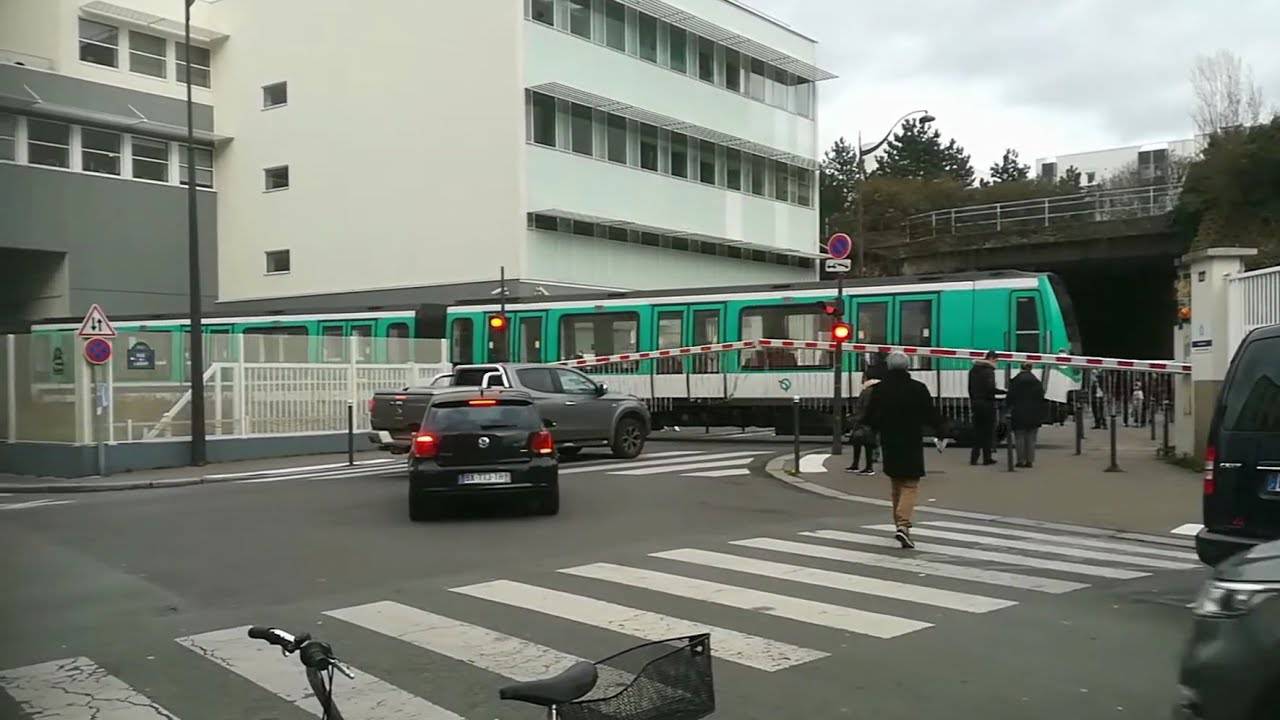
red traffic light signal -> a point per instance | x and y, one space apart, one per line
832 308
841 331
497 322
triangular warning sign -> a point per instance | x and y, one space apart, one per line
96 324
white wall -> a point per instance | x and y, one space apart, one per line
404 137
561 180
1104 163
737 18
559 256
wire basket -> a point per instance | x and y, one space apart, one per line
663 680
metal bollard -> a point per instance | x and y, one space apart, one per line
1115 467
1165 450
795 434
351 433
1079 419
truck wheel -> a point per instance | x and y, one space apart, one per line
628 438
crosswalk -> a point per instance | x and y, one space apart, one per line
854 582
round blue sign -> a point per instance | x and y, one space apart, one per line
97 350
839 246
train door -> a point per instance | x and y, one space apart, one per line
462 340
704 325
669 332
528 339
1026 323
870 324
916 317
333 342
497 338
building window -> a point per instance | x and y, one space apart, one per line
679 155
150 159
100 151
199 64
277 261
543 11
1153 164
615 25
755 82
275 95
804 187
580 129
781 181
48 143
148 54
1049 171
8 136
204 167
276 178
580 18
677 49
707 162
706 60
648 36
802 97
1090 177
732 70
758 165
733 169
616 133
648 147
99 43
543 118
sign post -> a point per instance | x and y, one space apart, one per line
839 246
96 330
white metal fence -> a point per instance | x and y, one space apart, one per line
1253 301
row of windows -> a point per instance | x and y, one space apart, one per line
103 152
566 125
103 44
612 24
667 242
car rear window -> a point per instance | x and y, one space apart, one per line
461 417
1253 399
471 377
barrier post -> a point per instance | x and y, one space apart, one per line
1164 421
351 433
1114 467
795 434
1079 412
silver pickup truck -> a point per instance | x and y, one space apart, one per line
584 413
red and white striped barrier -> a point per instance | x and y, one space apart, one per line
1075 361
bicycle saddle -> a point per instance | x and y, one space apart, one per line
569 685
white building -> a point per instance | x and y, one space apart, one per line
384 150
1150 161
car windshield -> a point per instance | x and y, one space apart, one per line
1253 400
456 417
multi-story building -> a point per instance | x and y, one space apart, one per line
384 151
1151 163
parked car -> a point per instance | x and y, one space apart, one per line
1231 666
482 443
1242 460
585 413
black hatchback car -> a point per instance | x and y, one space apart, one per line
1242 460
482 444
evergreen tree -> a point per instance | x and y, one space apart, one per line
1009 169
1070 180
837 180
917 152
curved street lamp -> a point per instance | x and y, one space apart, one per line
863 152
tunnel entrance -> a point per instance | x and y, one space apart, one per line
1124 307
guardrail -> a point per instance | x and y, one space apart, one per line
1095 206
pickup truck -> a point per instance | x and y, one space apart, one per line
583 413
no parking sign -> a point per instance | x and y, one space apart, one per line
97 350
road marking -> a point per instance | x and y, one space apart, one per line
592 465
999 557
632 464
1187 529
261 664
701 465
33 504
302 469
814 462
1083 542
727 472
842 581
347 472
1047 548
76 688
785 606
913 565
750 650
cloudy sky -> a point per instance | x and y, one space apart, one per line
1044 77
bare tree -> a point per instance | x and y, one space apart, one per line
1225 93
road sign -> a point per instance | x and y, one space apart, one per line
839 246
841 265
141 357
96 324
97 350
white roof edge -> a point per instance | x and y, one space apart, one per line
769 18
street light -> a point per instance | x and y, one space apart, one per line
863 152
193 268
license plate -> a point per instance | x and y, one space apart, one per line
490 478
1273 482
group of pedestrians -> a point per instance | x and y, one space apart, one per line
894 410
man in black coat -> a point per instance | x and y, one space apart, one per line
1026 413
982 407
899 410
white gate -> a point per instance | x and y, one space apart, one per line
1253 301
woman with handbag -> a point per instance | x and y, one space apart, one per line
862 437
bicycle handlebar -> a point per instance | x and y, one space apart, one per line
315 655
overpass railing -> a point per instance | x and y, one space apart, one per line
1095 206
1253 301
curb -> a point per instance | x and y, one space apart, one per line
777 468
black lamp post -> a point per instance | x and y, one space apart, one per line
196 337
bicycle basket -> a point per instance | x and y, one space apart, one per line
663 680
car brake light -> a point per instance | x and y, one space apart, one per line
541 443
423 445
1210 482
482 402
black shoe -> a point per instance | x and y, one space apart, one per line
903 536
867 471
989 461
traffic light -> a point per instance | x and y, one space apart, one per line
841 331
831 309
497 322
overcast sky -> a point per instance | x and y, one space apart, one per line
1045 78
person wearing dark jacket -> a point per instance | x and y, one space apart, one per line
862 437
899 410
982 407
1026 413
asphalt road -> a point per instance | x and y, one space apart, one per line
132 603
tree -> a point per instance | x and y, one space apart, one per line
837 180
1009 169
916 152
1226 96
1070 180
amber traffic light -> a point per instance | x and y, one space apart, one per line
497 322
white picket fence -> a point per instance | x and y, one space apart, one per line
1253 301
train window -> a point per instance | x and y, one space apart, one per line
592 335
363 334
872 327
398 343
531 339
706 331
278 344
670 336
785 323
1027 328
332 344
461 346
915 323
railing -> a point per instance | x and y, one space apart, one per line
1253 301
1097 206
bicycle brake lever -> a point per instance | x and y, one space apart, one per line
342 668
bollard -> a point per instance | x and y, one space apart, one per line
1115 467
795 434
351 434
1164 421
1079 420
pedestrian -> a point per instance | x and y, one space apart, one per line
1138 400
862 437
1026 413
982 408
899 410
1099 403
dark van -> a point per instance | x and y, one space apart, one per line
1242 461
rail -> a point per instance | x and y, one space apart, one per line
1095 206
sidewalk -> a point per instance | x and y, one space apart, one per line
179 477
1147 496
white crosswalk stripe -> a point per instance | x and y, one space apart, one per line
1068 539
671 462
703 465
727 472
29 504
77 688
1044 547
